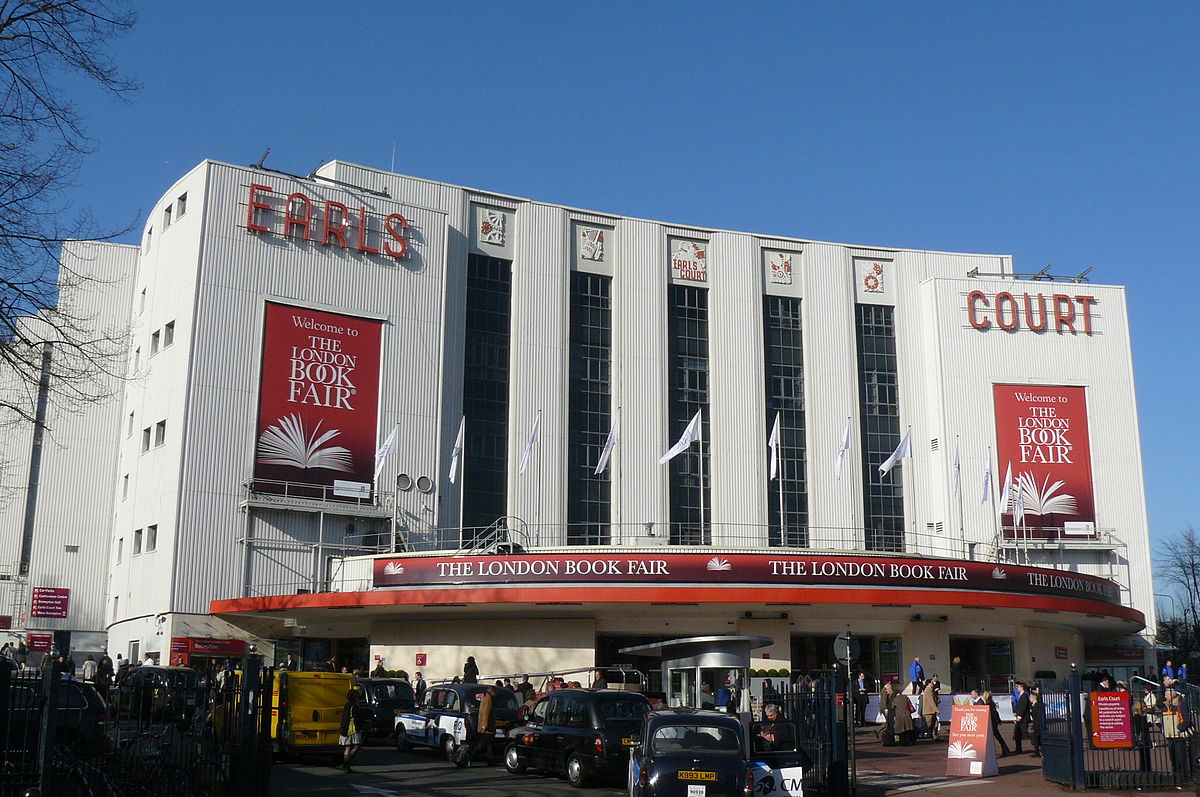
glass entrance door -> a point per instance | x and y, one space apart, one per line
683 688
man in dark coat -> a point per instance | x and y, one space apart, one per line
1021 712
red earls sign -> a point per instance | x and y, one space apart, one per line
757 569
1036 312
318 398
325 222
1042 433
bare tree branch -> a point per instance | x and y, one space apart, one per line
42 141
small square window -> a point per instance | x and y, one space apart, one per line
168 334
71 548
146 439
166 217
151 538
160 433
154 339
137 541
124 486
180 206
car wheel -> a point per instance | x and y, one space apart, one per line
512 760
448 746
575 774
402 742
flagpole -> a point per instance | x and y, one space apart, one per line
904 481
995 510
962 534
700 455
782 516
538 511
854 503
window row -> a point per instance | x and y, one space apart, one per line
153 436
144 541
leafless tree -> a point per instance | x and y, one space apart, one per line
1178 570
46 338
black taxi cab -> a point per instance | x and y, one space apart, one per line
584 733
448 717
687 752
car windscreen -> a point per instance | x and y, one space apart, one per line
183 680
622 709
388 691
695 738
505 699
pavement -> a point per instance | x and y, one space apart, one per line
887 771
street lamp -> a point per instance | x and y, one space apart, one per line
1171 598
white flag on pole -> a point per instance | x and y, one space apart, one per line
773 444
843 447
900 453
1006 490
690 435
613 434
957 468
533 438
457 451
384 450
987 478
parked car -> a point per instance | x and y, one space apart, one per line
306 712
701 753
585 733
151 693
81 718
386 697
448 716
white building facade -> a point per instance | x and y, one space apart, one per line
283 329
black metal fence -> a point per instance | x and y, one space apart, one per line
819 712
1156 758
138 739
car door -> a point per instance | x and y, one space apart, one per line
535 727
574 728
546 744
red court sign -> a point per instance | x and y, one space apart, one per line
972 751
1111 722
50 602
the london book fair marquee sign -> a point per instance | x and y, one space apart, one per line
758 570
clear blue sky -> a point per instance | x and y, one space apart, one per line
1061 133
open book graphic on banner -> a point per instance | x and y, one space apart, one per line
286 443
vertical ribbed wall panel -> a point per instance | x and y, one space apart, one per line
78 478
831 388
640 380
736 381
540 315
238 275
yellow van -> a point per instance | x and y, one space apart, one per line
306 711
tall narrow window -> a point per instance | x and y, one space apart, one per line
160 433
180 206
687 313
124 486
879 406
129 430
485 394
590 391
166 217
154 341
787 494
146 439
168 334
137 541
151 538
120 548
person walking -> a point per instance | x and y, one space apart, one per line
902 724
994 712
470 671
485 730
352 730
1021 713
90 666
887 707
929 708
1037 720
